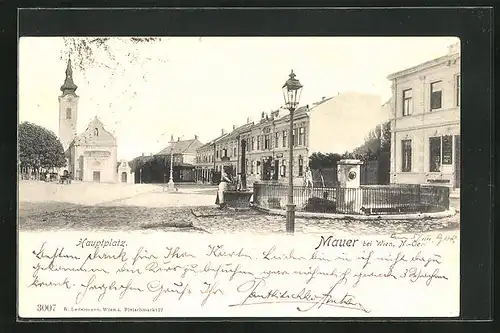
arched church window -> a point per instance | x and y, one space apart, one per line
96 131
68 113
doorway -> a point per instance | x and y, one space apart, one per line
276 169
124 177
266 168
96 176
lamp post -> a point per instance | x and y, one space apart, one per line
292 90
171 185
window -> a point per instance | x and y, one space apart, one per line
267 142
435 154
301 166
436 95
253 167
447 149
457 89
283 169
302 136
235 152
284 138
247 145
96 131
441 152
225 152
217 153
258 167
68 113
295 137
407 102
276 139
253 143
406 155
258 142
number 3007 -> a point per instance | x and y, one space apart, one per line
46 307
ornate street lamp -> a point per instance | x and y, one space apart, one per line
171 185
292 90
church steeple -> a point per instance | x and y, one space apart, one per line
69 87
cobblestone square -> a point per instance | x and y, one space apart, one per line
116 207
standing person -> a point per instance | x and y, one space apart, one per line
224 182
308 180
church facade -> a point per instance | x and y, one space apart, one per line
91 155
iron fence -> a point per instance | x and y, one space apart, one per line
367 199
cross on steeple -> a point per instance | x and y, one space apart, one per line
69 87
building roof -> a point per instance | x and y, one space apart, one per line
217 139
88 137
118 164
182 147
323 100
240 129
69 87
454 53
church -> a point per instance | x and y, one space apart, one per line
92 154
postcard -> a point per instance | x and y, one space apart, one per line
167 177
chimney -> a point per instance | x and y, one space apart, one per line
223 132
196 137
142 154
454 48
178 138
323 98
234 127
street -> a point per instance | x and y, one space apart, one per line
147 207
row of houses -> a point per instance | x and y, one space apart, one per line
330 125
424 112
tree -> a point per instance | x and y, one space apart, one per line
376 142
39 148
87 52
319 160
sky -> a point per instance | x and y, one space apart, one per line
187 86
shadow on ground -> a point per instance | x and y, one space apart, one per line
66 216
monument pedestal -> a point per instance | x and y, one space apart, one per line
350 196
238 199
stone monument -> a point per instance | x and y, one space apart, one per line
350 197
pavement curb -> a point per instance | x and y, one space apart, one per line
409 217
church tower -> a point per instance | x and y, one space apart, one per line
68 109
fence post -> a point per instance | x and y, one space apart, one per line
419 198
447 198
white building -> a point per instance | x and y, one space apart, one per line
425 124
91 155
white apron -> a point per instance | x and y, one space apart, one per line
222 188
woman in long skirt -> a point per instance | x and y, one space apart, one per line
225 180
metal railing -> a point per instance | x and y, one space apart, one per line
367 199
